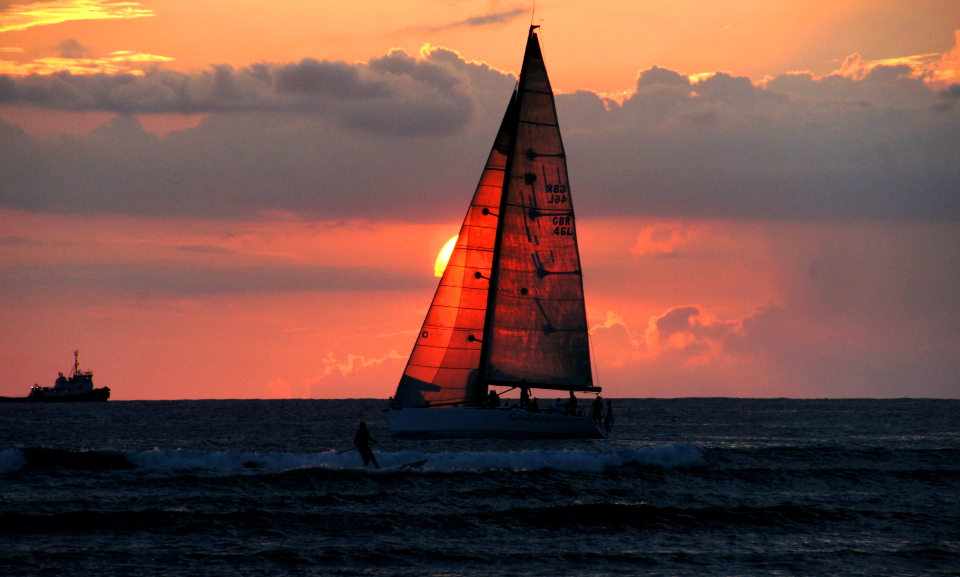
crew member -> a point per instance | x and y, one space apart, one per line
362 440
572 404
597 410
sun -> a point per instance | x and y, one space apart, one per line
444 256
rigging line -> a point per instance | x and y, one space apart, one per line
596 368
532 12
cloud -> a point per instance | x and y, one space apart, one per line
663 239
121 62
23 16
353 363
395 94
71 48
188 279
404 137
474 21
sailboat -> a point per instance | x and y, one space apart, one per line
509 310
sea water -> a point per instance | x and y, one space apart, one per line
686 487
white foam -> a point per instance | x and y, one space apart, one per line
667 456
12 460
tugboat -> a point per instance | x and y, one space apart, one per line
77 387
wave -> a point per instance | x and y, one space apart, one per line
667 456
12 460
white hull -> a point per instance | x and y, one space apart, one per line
471 422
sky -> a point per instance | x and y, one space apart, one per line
246 199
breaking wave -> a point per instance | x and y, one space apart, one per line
667 456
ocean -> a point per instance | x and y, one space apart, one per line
686 487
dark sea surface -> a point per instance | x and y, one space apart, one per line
687 487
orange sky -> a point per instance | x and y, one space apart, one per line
598 47
757 234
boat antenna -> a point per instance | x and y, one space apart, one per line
76 361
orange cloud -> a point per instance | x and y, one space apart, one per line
947 70
353 363
664 239
23 16
612 320
11 49
936 70
119 62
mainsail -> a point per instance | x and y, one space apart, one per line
519 235
537 322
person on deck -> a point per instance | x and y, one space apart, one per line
362 440
597 410
608 422
572 404
524 396
493 400
559 407
534 407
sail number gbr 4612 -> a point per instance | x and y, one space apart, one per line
557 193
562 225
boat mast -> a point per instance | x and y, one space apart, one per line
483 383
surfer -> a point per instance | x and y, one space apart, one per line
362 440
608 422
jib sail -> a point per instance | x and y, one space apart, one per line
444 365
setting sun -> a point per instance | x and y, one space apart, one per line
444 256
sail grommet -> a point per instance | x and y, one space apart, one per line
424 334
524 291
529 178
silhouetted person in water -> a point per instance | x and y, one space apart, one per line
362 440
608 422
597 410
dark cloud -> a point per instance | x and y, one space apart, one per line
394 95
476 21
70 48
182 279
405 138
17 241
